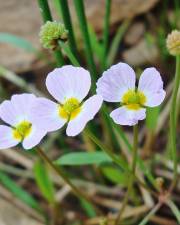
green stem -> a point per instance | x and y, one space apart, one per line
106 31
45 11
68 24
105 149
173 121
69 53
114 158
46 15
59 58
131 177
150 214
58 170
116 41
79 5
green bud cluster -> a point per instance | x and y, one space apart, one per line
51 33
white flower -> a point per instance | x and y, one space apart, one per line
117 84
69 85
16 113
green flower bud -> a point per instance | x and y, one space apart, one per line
51 33
173 42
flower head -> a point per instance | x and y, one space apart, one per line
173 42
69 85
51 33
117 84
20 128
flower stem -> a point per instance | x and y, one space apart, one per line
58 170
131 177
45 10
46 15
79 5
69 53
150 214
68 24
105 149
173 121
106 31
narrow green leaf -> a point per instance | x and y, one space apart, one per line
88 208
44 182
69 53
152 117
174 209
83 158
96 45
17 42
115 175
116 41
18 191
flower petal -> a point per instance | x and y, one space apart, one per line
17 109
33 138
115 82
151 85
7 112
89 110
45 115
6 137
124 116
68 81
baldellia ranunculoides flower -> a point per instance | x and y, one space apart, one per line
69 85
117 84
20 125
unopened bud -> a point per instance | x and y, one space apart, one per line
51 33
160 183
173 42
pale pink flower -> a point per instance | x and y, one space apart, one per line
69 85
117 84
20 128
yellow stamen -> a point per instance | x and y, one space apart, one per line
22 130
70 109
134 100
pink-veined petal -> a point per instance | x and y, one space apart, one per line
124 116
151 84
115 82
17 109
34 138
68 81
45 115
89 109
6 137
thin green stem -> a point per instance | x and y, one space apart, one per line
105 149
131 177
173 121
115 43
59 58
45 10
68 24
106 31
150 214
58 170
174 209
114 158
79 5
69 53
46 15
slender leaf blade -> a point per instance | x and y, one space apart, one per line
18 191
44 182
17 42
83 158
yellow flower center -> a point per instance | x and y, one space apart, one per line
70 109
22 130
134 100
